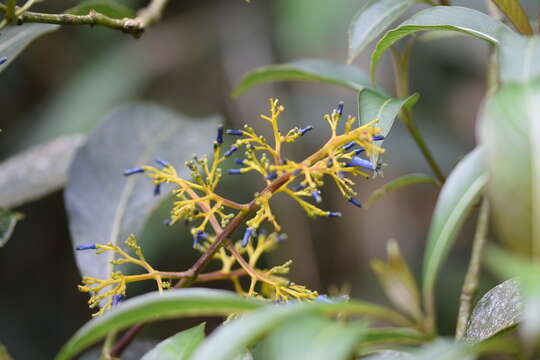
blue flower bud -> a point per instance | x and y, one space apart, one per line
162 162
316 196
3 59
358 161
340 108
117 299
272 176
240 161
281 237
234 171
349 146
199 237
219 137
305 130
157 189
234 132
359 151
341 174
355 202
129 172
86 247
324 298
300 187
230 151
334 214
378 137
247 236
297 172
167 222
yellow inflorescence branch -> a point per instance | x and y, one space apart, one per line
197 203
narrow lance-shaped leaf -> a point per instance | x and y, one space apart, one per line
373 17
515 12
38 171
400 182
155 306
510 129
374 105
457 197
449 18
306 70
14 39
8 220
106 207
179 346
518 58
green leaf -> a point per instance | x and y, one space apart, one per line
232 338
499 309
373 17
311 337
515 12
4 354
449 18
518 58
8 220
399 183
457 197
155 306
179 346
109 8
14 39
105 206
306 70
38 171
374 105
510 124
393 335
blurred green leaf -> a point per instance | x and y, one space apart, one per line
518 58
14 39
103 205
398 281
313 338
38 171
4 354
440 349
510 123
373 17
457 197
229 340
449 18
109 8
306 70
155 306
374 105
499 309
393 335
8 220
515 12
399 183
179 346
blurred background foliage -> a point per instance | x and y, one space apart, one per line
66 82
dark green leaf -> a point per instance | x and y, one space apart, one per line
510 126
455 201
518 58
14 39
306 70
402 336
399 183
232 338
155 306
374 105
311 337
449 18
513 10
38 171
8 220
109 8
179 346
105 206
499 309
373 17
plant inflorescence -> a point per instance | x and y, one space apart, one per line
214 218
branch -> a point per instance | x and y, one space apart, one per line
136 26
470 284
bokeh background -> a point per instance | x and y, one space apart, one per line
68 80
